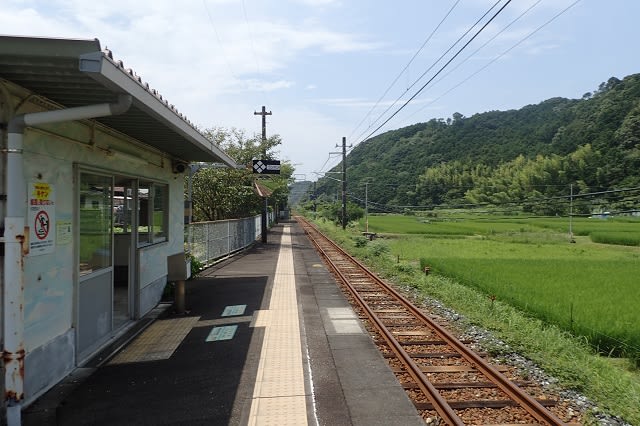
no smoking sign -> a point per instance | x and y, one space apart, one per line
41 225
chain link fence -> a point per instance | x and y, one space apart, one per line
209 241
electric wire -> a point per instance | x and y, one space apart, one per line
485 66
429 69
488 64
423 74
465 60
325 163
494 59
335 155
405 68
215 31
439 71
432 66
253 50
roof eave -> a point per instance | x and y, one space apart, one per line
106 72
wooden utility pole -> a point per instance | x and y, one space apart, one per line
265 210
366 207
264 114
344 182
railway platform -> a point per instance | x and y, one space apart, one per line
268 339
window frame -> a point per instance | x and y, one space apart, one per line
148 214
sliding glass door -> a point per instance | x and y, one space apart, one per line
95 223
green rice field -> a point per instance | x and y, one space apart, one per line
590 287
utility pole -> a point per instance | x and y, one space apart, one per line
344 182
366 207
315 196
265 210
571 240
264 114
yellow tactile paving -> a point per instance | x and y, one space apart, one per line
260 318
283 411
157 342
279 395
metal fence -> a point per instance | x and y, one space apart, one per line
209 241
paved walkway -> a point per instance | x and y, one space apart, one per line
269 339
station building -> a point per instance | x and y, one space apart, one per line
92 204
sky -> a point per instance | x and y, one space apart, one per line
328 69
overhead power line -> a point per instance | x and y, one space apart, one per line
404 69
253 50
563 11
442 68
473 74
224 55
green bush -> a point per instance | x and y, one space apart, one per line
360 241
404 268
378 248
196 266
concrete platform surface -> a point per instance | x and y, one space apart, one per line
268 339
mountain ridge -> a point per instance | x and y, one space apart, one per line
592 142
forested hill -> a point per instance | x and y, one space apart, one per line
499 157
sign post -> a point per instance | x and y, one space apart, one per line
265 167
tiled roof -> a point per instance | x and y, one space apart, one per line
74 73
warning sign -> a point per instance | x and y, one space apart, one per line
42 225
42 216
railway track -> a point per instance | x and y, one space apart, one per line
447 381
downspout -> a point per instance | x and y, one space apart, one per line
16 244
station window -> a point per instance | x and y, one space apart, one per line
95 222
153 212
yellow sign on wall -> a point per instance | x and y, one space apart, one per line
42 217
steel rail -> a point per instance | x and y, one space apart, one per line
526 401
439 403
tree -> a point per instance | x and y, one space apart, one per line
241 148
333 211
223 194
226 193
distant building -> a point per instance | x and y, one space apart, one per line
600 215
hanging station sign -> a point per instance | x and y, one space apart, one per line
266 167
